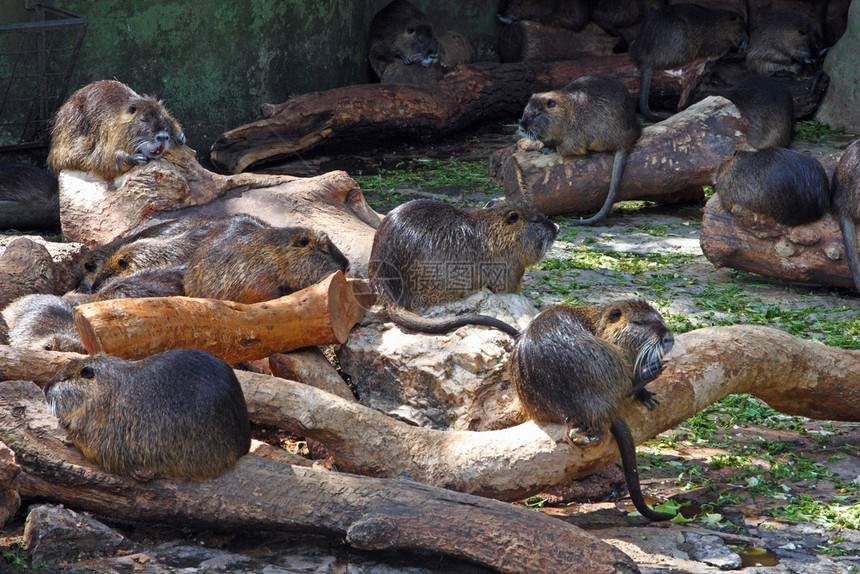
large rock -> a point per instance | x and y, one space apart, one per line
54 534
452 381
67 259
10 501
841 105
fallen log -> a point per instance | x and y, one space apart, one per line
670 163
260 494
310 366
321 314
792 375
531 41
94 211
812 253
368 112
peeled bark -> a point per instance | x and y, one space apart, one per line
260 494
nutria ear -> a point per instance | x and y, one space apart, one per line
302 241
87 373
615 315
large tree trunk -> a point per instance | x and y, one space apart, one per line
811 253
792 375
370 513
470 94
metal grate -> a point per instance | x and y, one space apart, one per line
36 62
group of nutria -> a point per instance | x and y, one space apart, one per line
574 366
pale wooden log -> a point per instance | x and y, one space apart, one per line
321 314
465 96
794 376
670 163
532 41
32 365
260 494
310 366
811 253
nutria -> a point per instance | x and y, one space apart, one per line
569 14
4 331
678 34
262 264
783 41
400 31
788 186
177 414
592 113
161 282
767 106
845 204
577 366
43 322
613 14
29 197
426 252
106 128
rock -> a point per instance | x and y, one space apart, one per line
67 259
54 534
840 109
10 502
450 381
712 550
25 268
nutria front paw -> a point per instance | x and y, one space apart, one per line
648 398
546 149
180 138
138 159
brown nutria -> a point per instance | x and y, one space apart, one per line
613 14
570 14
678 34
106 128
161 282
262 264
177 414
42 322
767 106
783 41
577 366
592 113
790 187
29 197
400 31
427 252
846 204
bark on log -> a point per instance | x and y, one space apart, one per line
94 211
670 163
321 314
811 253
467 95
527 41
260 494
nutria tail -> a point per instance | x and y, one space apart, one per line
415 322
614 184
849 238
622 435
644 88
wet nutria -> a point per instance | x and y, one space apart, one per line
846 204
570 14
767 106
400 31
262 264
42 322
592 113
178 414
106 128
783 41
427 252
577 366
29 197
678 34
790 187
162 282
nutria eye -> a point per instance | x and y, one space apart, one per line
122 264
48 346
89 266
615 315
512 218
550 103
802 32
132 108
87 372
410 30
302 241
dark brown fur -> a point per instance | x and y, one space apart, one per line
783 42
177 414
678 34
767 106
106 128
29 198
790 187
570 14
42 322
400 31
846 205
592 113
611 15
577 366
162 282
261 264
